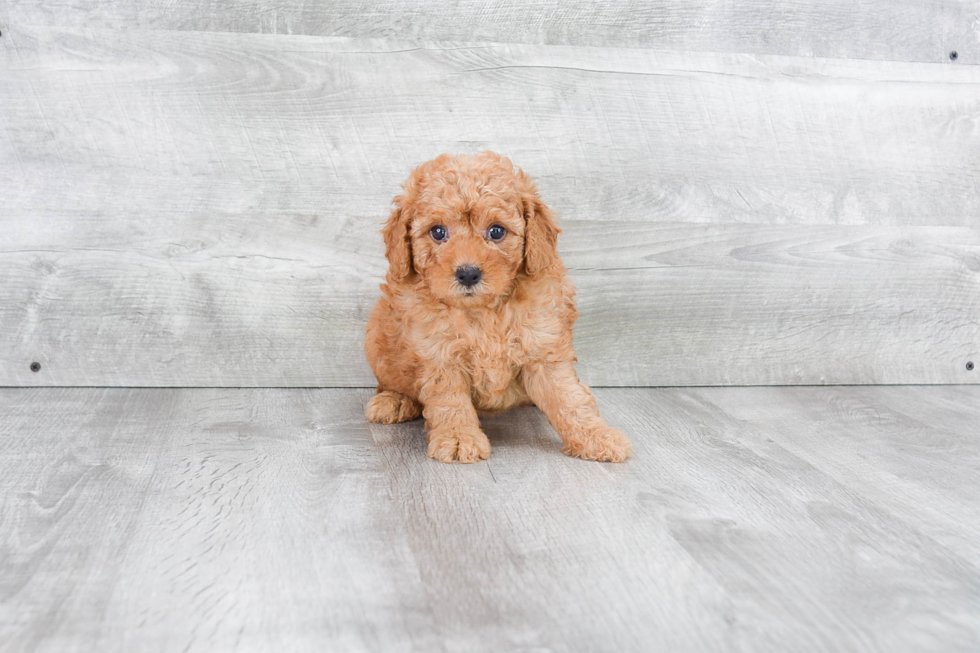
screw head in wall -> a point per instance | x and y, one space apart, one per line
954 55
969 366
35 367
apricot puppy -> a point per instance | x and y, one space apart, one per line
476 313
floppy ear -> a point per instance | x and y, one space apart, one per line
398 244
540 233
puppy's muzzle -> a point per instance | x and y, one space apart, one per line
468 275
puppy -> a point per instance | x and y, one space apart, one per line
476 313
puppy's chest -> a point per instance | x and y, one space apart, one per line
493 366
490 351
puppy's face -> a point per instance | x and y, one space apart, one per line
467 239
466 227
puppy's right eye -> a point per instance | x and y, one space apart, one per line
438 233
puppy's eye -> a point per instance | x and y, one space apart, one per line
496 232
439 233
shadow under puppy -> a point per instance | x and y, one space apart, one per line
476 313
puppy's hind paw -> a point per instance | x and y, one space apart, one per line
390 407
458 446
604 444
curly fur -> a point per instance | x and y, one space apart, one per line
445 353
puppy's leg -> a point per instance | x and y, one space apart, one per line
451 420
390 407
571 409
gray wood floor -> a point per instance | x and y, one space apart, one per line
757 519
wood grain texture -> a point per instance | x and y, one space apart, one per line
745 305
733 491
260 520
256 520
127 123
914 461
876 29
661 304
201 209
75 482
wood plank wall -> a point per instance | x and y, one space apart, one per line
872 29
190 192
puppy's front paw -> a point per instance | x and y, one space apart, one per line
468 446
390 407
604 444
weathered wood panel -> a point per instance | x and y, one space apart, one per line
119 124
747 305
199 520
76 468
916 460
269 520
732 490
201 209
877 29
204 301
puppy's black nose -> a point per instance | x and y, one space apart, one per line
468 275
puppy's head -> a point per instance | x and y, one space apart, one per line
467 227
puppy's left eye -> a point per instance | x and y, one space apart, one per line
496 232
